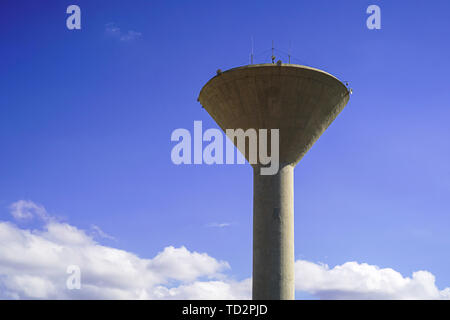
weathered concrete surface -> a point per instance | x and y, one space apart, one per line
299 101
273 235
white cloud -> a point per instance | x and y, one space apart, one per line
219 225
201 290
33 264
24 210
353 280
98 232
114 31
181 264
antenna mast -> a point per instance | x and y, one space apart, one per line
289 52
251 55
273 57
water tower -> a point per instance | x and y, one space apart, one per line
299 101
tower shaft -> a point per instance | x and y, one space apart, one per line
273 235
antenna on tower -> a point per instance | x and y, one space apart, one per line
251 55
289 52
273 57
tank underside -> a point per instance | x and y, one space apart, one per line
299 101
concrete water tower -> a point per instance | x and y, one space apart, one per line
299 101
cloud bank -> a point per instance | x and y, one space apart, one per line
33 265
353 280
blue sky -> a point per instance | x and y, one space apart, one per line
86 117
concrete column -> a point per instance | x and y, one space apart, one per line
273 235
